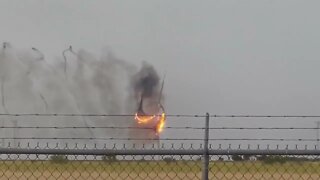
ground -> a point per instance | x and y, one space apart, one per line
156 170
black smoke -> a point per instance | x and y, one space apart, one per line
146 82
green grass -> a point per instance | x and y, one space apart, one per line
260 167
161 166
99 166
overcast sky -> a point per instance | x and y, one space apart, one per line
220 56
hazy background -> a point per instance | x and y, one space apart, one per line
222 56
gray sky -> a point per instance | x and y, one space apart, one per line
222 56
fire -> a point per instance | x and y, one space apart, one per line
143 119
161 122
150 119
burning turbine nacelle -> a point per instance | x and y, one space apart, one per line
152 121
151 115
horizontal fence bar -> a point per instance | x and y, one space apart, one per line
111 138
100 152
90 127
260 139
162 139
168 115
265 116
118 127
96 115
143 128
265 128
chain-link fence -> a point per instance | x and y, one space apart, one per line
266 167
202 150
158 164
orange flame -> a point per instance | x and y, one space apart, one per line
144 119
161 123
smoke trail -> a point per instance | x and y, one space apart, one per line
3 78
41 57
145 95
3 101
94 86
146 81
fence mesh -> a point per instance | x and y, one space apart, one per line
100 167
114 166
56 146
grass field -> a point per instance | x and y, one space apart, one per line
156 170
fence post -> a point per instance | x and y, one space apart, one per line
205 170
